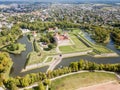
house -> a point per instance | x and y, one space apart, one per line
25 30
55 29
62 39
34 33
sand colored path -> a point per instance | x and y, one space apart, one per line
113 85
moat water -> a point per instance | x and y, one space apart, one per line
19 60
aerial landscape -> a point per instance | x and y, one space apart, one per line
59 44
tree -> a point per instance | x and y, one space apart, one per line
74 66
41 86
13 86
50 46
100 35
47 82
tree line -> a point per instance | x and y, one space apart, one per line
73 67
42 26
116 36
5 66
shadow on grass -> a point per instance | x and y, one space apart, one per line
35 88
47 49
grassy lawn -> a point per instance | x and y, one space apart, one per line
98 49
35 58
50 52
49 59
77 47
101 49
76 81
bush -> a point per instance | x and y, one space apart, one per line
35 46
13 47
29 37
50 46
41 86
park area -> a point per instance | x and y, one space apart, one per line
76 81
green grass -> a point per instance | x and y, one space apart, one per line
76 81
98 49
101 49
77 47
36 58
49 59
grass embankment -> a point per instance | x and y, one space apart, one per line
22 47
98 49
77 47
76 81
36 55
35 58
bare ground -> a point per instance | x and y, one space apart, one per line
112 85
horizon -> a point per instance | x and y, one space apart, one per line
63 0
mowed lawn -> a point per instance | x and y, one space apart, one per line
78 46
84 79
36 58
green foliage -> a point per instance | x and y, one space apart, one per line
8 36
44 39
47 82
73 67
41 86
116 36
86 65
42 26
13 86
35 46
50 46
5 66
29 37
101 35
13 47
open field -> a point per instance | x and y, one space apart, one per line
84 79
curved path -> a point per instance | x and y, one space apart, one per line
84 88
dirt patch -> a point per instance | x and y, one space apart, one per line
113 85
